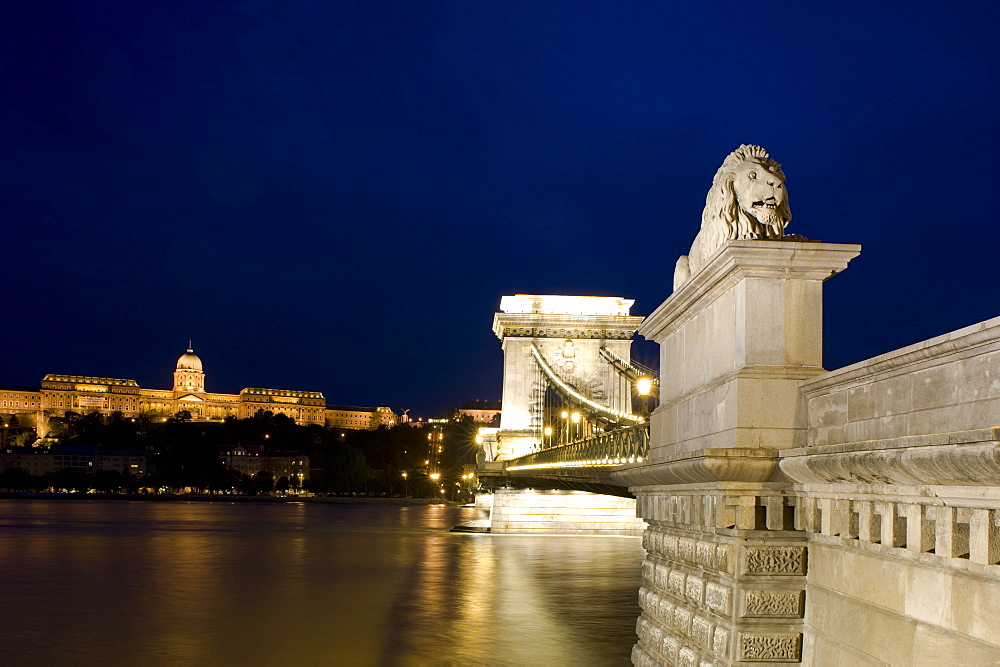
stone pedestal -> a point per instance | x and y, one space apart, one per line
735 341
725 572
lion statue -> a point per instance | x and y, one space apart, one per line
748 200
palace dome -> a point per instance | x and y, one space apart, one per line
189 361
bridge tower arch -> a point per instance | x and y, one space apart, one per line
566 341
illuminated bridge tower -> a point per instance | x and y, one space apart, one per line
564 342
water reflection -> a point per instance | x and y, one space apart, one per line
217 583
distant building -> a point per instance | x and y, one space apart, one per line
250 460
83 458
480 410
342 416
78 393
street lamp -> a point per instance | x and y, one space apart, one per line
576 420
406 484
644 385
548 436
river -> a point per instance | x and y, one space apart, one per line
215 583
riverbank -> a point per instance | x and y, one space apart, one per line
208 498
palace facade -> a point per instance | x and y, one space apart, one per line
59 394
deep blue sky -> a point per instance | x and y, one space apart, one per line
333 196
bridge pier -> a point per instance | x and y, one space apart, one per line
563 512
724 577
803 516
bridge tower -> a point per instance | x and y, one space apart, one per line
566 341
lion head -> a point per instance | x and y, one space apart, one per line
748 200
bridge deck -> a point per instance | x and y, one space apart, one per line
584 465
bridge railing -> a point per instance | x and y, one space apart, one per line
614 448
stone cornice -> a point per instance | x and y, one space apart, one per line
537 325
738 260
705 465
963 458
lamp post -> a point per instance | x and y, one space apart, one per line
548 436
575 417
643 386
565 418
406 484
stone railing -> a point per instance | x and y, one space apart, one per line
943 385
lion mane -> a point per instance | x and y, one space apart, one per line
747 201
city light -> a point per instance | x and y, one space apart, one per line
435 475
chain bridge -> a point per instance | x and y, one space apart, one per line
575 405
790 514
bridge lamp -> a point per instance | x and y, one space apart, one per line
435 475
564 414
576 417
644 385
479 439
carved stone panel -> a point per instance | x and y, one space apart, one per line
775 560
724 558
701 632
670 647
719 598
687 658
675 583
772 604
685 551
670 547
770 647
706 555
695 589
682 620
720 641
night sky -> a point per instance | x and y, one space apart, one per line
334 196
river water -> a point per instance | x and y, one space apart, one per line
199 583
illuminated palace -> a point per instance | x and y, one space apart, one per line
61 393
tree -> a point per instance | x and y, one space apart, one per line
282 484
15 479
181 417
107 481
263 482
